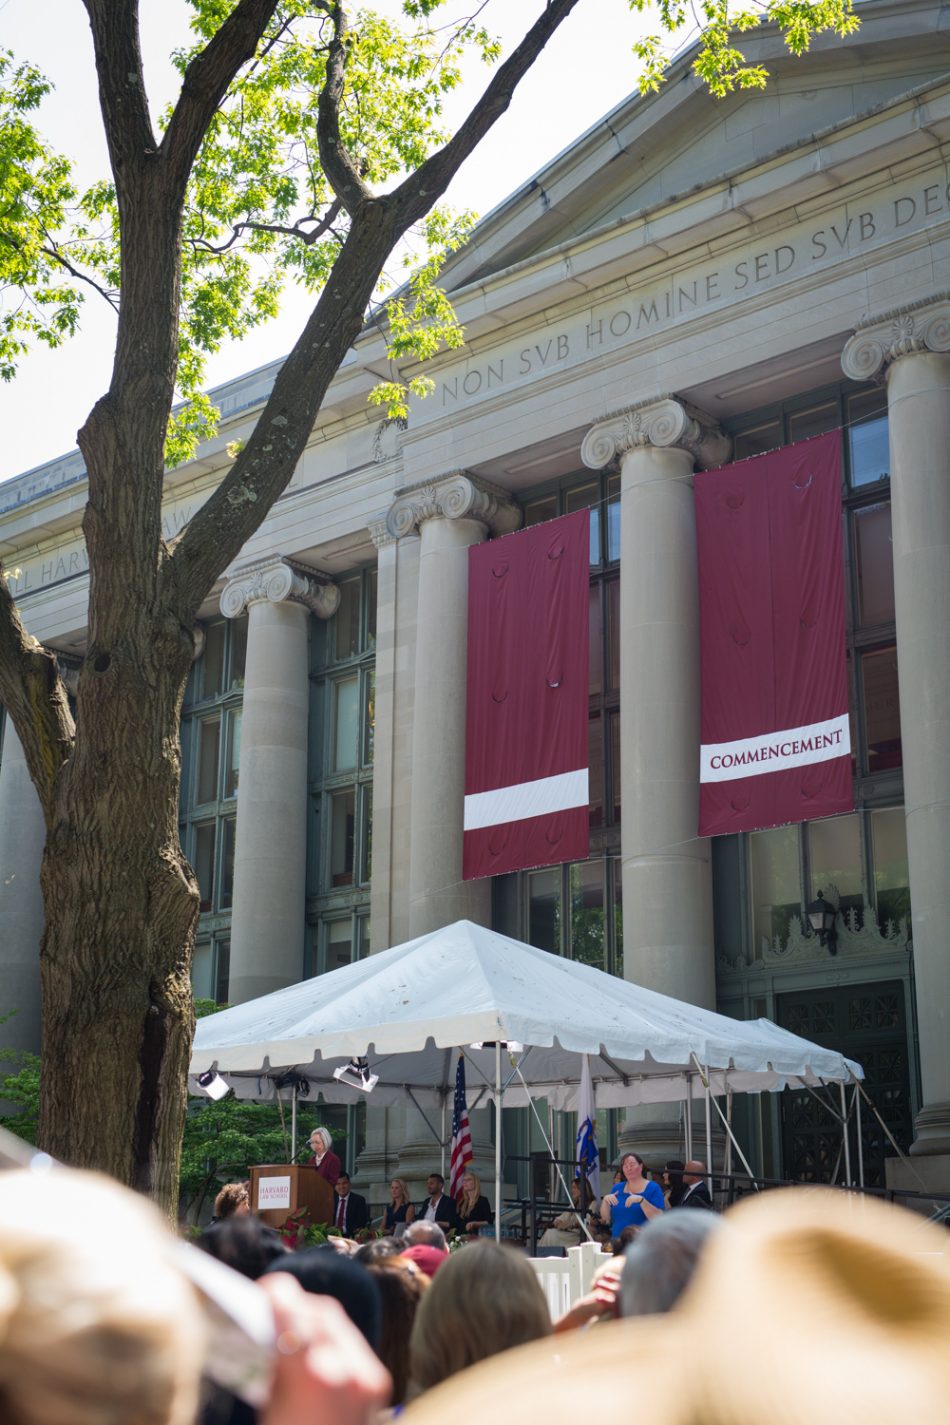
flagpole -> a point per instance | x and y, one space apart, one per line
498 1202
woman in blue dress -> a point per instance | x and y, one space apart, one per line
633 1201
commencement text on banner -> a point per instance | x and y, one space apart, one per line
526 776
776 744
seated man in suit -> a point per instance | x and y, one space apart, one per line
351 1213
437 1207
694 1181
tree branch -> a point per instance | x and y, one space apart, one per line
32 692
340 169
293 230
55 255
266 465
417 193
206 82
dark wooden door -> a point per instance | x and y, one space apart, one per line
867 1023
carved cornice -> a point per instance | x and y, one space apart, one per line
666 423
922 326
857 936
273 581
453 497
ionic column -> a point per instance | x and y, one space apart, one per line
910 349
22 837
667 892
269 905
450 515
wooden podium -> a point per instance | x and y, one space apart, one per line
280 1189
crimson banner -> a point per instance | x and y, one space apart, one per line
776 745
526 793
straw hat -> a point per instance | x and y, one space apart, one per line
815 1308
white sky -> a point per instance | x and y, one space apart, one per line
584 72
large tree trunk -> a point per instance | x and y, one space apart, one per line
121 907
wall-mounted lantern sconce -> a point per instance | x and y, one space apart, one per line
822 916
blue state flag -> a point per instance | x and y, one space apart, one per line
586 1150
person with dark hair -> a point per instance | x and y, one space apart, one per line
695 1192
485 1299
350 1212
437 1207
672 1182
634 1201
401 1288
244 1243
324 1272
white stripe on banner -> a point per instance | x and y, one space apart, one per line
562 792
775 751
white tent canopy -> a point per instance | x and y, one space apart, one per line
410 1008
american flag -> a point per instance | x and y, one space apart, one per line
461 1137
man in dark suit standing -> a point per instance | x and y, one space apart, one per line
694 1181
351 1213
437 1207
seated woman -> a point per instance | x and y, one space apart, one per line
635 1200
566 1230
474 1210
400 1210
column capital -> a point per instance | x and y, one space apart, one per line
455 496
276 580
379 531
665 422
921 326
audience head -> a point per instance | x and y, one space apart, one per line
694 1172
378 1250
233 1199
619 1245
401 1288
484 1299
324 1272
425 1234
321 1141
660 1262
97 1322
243 1243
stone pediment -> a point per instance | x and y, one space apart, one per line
649 151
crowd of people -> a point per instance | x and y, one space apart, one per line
795 1307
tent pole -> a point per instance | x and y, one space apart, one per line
689 1117
293 1126
581 1218
442 1142
727 1165
847 1142
857 1125
732 1137
498 1201
709 1153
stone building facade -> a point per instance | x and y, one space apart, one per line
692 281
